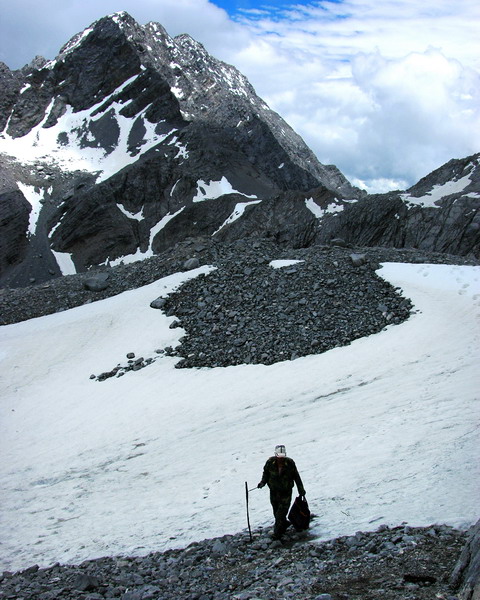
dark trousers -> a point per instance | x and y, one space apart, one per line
280 501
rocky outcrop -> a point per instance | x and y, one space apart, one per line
14 218
466 576
10 84
441 213
284 219
387 221
152 205
390 563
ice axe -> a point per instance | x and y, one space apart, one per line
248 516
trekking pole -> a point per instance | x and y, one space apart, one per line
248 516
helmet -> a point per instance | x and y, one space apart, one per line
280 452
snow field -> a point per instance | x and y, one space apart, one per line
383 431
42 144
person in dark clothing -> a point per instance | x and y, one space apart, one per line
280 473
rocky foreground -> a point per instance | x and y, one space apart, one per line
401 563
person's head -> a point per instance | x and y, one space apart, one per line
280 451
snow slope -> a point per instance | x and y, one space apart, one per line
438 192
383 431
64 144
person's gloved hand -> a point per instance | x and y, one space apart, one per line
260 485
302 493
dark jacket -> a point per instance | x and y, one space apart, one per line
282 482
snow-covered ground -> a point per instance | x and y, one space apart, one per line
385 430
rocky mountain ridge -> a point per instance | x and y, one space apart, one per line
440 212
131 141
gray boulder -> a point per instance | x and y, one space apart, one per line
358 259
158 303
466 575
86 583
97 283
191 263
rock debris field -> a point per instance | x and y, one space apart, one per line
256 311
401 563
249 309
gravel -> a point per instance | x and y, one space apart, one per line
246 311
400 563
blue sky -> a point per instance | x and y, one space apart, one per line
387 91
237 6
233 6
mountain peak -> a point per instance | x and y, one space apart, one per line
120 17
116 22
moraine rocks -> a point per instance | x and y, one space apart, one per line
400 563
249 309
257 311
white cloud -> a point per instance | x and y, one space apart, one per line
386 91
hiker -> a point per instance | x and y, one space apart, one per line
279 473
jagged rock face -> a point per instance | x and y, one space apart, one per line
10 84
440 213
117 61
14 217
156 202
285 219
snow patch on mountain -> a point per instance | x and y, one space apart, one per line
71 144
215 189
139 255
26 87
65 262
236 213
182 150
280 264
320 212
135 216
430 199
76 41
35 198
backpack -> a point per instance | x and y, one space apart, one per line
299 515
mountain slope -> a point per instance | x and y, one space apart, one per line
382 430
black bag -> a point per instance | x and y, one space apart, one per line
299 515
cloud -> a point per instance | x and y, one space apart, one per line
386 91
422 107
393 119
